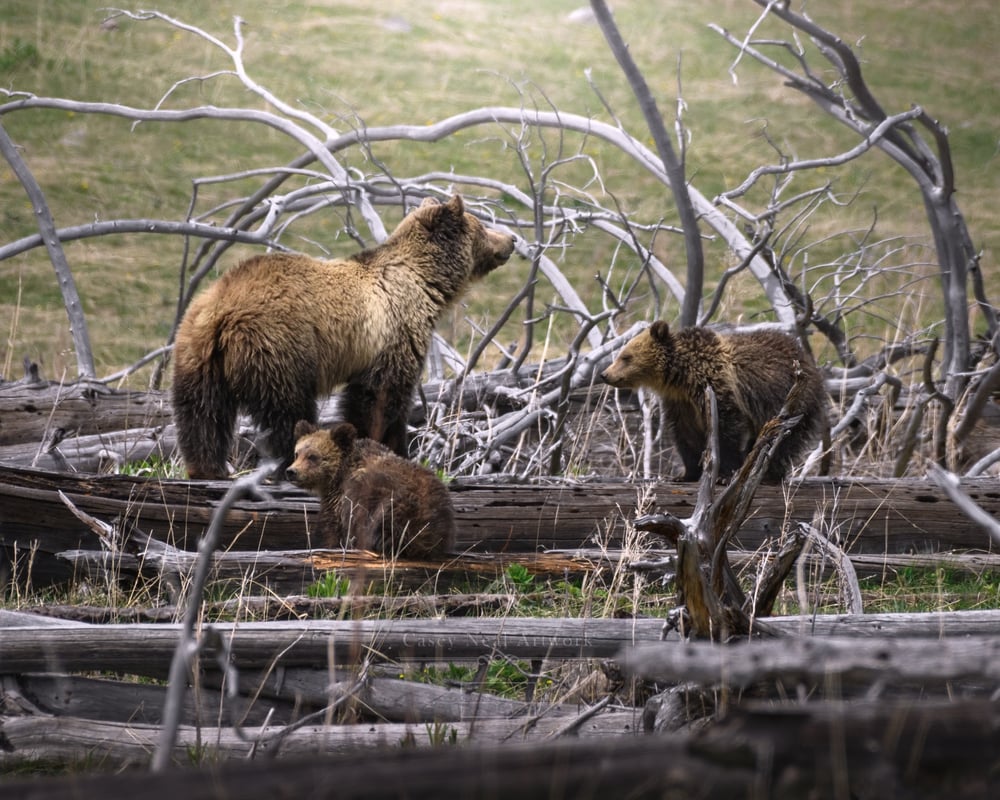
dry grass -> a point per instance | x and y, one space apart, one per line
402 63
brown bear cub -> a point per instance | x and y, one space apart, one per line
751 374
277 331
369 496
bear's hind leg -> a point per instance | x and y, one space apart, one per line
277 421
205 440
204 413
379 411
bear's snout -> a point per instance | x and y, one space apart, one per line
292 475
500 247
506 251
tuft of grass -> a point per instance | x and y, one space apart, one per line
155 466
330 585
19 55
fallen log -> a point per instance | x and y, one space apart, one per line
381 698
131 702
32 410
812 660
107 744
286 572
868 517
274 698
146 649
916 751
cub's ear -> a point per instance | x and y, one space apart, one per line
304 428
456 205
343 435
660 331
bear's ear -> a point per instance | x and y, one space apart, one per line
660 331
343 435
304 428
431 213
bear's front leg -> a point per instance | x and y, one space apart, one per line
378 404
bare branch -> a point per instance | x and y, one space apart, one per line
491 115
673 166
931 168
188 646
871 140
90 230
48 234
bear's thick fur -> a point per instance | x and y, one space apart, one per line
369 496
277 331
751 374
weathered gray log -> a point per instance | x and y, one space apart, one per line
286 696
877 750
33 619
95 453
31 411
885 565
384 698
146 649
115 743
121 701
813 660
288 573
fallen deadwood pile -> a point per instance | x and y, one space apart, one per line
792 714
780 755
833 705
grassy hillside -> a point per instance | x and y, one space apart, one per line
351 62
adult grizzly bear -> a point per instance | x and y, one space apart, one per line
277 331
369 496
751 374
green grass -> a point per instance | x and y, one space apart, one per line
504 678
331 584
933 590
905 590
344 64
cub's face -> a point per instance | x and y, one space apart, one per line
321 456
640 363
316 461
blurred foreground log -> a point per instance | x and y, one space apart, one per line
869 752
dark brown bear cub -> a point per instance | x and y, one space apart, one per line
369 496
751 374
279 330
